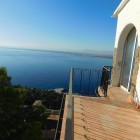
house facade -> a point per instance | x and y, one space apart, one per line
126 61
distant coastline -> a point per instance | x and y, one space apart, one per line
66 52
84 54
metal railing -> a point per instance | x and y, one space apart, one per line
59 123
86 81
69 119
105 79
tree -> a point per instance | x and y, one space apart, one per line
19 118
5 80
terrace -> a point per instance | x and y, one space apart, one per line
105 117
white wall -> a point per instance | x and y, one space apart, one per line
129 14
128 18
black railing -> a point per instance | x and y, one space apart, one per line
105 79
86 81
59 124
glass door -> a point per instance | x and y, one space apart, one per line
128 58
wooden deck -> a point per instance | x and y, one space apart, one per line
112 118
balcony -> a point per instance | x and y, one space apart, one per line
80 86
103 118
110 116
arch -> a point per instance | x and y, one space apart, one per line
116 77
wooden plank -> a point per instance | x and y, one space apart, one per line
106 119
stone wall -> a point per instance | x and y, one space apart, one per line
135 72
114 63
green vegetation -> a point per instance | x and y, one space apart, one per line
5 80
19 118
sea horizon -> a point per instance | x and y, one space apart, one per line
97 53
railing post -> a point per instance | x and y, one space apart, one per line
71 81
105 78
69 119
80 83
59 123
89 81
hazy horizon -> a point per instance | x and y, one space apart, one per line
98 52
65 25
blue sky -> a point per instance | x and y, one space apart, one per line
68 25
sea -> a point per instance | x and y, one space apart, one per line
47 70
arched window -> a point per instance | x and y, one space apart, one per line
128 58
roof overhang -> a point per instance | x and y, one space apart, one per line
120 7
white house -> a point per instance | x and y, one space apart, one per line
126 62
